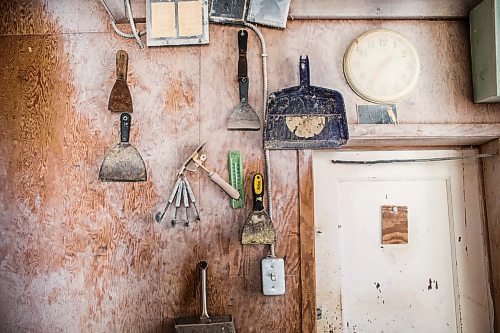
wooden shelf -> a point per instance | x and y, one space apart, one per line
402 135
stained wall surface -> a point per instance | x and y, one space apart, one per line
79 255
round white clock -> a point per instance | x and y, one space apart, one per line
381 66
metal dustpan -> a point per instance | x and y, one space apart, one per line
123 163
204 323
305 116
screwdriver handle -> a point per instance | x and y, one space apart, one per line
225 186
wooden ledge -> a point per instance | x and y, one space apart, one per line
402 135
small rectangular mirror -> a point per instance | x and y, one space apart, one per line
228 11
273 13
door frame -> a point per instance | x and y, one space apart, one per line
307 237
307 241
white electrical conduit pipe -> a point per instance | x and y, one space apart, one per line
267 160
135 34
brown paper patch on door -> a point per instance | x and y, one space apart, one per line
394 224
190 18
163 19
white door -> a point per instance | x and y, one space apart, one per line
435 280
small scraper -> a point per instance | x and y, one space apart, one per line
258 227
243 117
120 99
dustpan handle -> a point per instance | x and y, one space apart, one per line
202 266
304 71
125 121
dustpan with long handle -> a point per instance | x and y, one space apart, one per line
123 163
258 228
204 323
305 116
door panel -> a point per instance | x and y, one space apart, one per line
385 285
364 286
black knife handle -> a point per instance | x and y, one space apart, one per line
243 89
258 192
242 48
242 41
125 121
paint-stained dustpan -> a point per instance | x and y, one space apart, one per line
305 116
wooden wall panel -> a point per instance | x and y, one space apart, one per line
75 250
491 177
20 17
107 265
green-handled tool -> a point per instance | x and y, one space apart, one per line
236 178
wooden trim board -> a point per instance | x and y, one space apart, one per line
307 241
337 9
381 9
491 188
406 135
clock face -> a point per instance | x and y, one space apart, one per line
381 66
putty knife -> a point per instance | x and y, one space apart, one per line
244 116
123 163
120 99
258 228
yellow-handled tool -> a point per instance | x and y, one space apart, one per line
258 227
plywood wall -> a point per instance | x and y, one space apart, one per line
79 255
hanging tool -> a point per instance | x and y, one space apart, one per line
243 116
185 200
258 228
123 163
305 116
192 198
178 200
159 215
216 178
120 99
181 183
236 178
204 323
182 193
196 161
